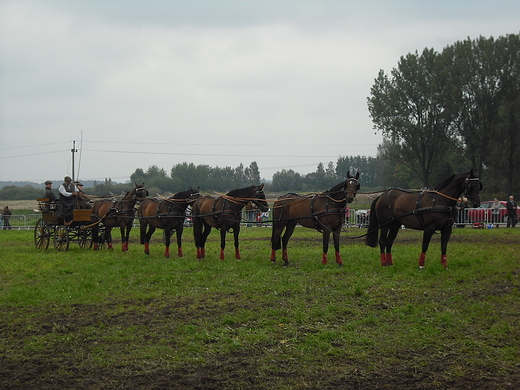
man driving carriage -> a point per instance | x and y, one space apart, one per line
83 200
67 199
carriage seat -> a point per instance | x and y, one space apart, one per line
45 205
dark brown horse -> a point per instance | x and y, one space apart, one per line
223 213
324 212
168 214
428 210
116 213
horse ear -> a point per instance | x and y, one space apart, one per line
471 173
357 175
261 186
348 175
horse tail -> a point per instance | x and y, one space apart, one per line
373 226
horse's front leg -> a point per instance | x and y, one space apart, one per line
427 236
326 238
335 239
445 237
276 242
125 234
222 242
108 237
179 231
167 234
147 238
236 232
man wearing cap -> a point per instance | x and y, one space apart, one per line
67 200
48 193
83 200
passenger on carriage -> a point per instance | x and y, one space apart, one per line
83 200
48 193
67 199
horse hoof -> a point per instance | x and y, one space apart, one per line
340 264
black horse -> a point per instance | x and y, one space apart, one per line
429 210
168 214
223 213
116 213
324 212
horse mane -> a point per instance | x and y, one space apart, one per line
336 188
241 192
180 195
446 182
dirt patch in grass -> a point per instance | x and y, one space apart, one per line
82 351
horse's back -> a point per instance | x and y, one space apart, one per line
203 206
292 206
148 208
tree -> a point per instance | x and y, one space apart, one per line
408 108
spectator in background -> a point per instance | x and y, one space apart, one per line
511 211
495 211
6 216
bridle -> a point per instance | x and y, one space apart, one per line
469 182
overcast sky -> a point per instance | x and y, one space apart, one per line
142 83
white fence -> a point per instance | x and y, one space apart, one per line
252 218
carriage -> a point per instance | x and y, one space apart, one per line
51 227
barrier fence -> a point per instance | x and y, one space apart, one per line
353 219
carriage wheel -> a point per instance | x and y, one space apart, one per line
85 240
61 239
42 234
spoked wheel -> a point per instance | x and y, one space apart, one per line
85 240
61 239
42 235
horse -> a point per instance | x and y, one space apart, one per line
168 214
116 213
223 213
428 210
324 212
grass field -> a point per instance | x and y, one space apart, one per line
85 319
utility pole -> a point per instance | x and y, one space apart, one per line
73 150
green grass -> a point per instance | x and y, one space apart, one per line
87 319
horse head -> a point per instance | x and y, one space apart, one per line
472 188
193 195
351 186
140 192
259 198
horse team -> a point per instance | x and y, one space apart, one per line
429 210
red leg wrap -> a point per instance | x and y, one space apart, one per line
167 252
383 259
198 254
237 253
222 254
324 259
273 255
96 246
146 248
110 245
285 257
338 258
444 261
389 260
179 252
421 259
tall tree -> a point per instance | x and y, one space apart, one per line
408 107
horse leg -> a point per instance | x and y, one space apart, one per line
236 232
178 231
222 242
108 237
167 234
276 242
124 237
394 230
326 238
289 230
445 237
335 240
95 237
382 244
427 236
197 235
206 229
